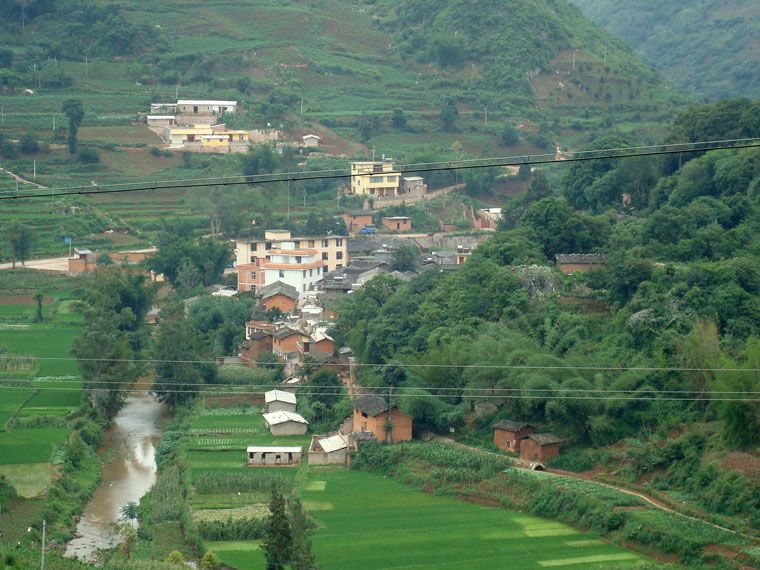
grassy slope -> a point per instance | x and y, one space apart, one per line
710 49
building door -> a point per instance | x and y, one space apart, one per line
277 459
195 109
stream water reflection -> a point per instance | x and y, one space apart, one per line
131 447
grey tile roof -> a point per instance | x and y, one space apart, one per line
544 438
279 288
508 425
371 404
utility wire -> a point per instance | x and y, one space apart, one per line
464 164
387 365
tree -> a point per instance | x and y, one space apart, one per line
128 536
448 115
38 301
302 526
278 536
398 120
405 257
177 351
270 361
210 561
175 558
509 136
29 144
327 387
20 242
74 111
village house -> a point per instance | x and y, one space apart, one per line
579 262
279 401
254 256
279 295
397 223
274 456
507 434
371 415
539 447
287 342
487 218
414 185
285 423
357 220
330 449
375 178
310 141
201 111
255 344
161 121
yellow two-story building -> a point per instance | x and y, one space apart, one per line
375 178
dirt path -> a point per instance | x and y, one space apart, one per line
51 264
21 180
522 464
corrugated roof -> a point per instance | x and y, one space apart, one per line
508 425
276 418
371 404
544 438
274 449
333 443
279 396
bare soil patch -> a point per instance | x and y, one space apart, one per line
746 463
22 300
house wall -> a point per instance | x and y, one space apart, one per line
288 428
255 348
269 459
354 224
395 225
374 179
287 344
531 451
278 406
568 268
402 425
326 346
339 457
248 277
78 265
280 301
508 440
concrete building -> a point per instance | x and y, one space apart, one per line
507 434
299 268
413 185
371 415
285 423
253 255
375 178
279 401
201 111
161 120
539 447
397 223
331 449
274 456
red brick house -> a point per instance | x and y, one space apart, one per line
279 295
397 223
257 343
507 434
371 416
357 220
539 447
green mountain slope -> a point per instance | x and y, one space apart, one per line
710 48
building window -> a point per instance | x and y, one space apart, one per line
298 259
268 245
339 255
364 415
337 265
311 273
324 243
282 273
253 275
390 178
375 179
253 259
297 244
304 273
311 243
303 287
324 256
339 242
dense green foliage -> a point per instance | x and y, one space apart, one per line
705 47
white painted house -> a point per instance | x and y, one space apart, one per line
273 456
301 268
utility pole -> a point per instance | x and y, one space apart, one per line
302 106
42 562
486 113
34 169
53 122
2 115
605 53
85 66
575 51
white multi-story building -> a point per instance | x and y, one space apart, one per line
301 268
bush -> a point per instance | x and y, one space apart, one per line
88 156
575 460
155 151
232 529
8 149
29 144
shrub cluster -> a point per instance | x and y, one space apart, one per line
232 529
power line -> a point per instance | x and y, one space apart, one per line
402 365
421 392
464 164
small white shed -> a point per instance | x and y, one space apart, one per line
311 141
273 456
329 449
280 401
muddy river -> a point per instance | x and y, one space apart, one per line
129 448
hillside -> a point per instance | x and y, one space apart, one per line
709 48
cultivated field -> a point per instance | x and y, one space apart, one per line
366 520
